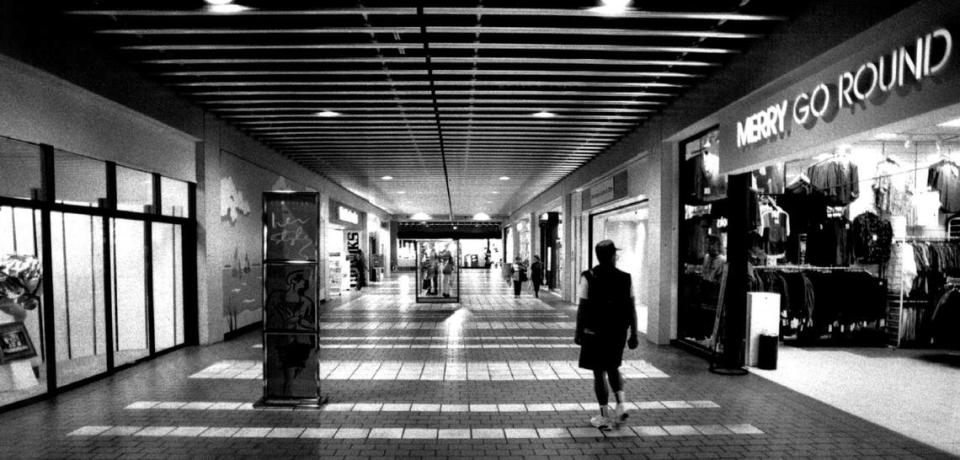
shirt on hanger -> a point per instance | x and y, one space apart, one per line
944 177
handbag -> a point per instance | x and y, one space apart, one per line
523 275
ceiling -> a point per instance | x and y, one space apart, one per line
439 95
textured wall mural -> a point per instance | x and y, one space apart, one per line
241 187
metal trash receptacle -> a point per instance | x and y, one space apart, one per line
767 353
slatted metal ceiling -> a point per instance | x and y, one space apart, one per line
437 96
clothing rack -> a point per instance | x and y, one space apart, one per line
900 299
814 268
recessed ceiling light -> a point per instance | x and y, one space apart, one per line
544 114
219 2
226 9
885 136
495 192
951 124
504 178
481 216
612 7
454 227
328 114
387 177
401 192
420 216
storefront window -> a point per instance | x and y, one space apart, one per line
167 253
79 296
475 253
407 254
24 377
523 240
627 228
175 197
703 237
129 291
134 190
19 168
79 180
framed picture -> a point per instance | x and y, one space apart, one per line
15 343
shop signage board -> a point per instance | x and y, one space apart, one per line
605 191
291 371
345 215
897 70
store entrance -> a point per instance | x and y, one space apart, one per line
627 228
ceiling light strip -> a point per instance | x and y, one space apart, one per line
437 59
436 106
443 11
438 72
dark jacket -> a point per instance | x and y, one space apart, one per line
536 273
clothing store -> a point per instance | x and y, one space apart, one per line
836 188
345 236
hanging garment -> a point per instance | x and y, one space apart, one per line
837 179
872 237
830 245
944 177
891 192
775 229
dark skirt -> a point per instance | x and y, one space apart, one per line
602 351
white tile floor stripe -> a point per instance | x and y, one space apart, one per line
448 346
445 408
435 370
413 433
439 338
433 325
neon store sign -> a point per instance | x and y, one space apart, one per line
907 64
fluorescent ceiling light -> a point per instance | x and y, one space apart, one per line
401 192
886 136
504 177
387 177
481 216
328 114
420 216
612 7
544 114
226 8
495 192
951 124
219 2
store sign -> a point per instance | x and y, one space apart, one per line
609 189
887 77
347 215
911 63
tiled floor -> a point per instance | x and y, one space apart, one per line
440 381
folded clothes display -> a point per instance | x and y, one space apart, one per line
816 301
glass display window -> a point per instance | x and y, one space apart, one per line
19 168
438 270
627 227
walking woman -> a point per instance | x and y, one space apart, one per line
604 316
518 275
536 275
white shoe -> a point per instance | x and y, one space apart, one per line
601 422
621 415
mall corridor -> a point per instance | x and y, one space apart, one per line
489 377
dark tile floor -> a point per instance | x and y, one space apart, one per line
491 377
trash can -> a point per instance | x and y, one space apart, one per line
767 353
